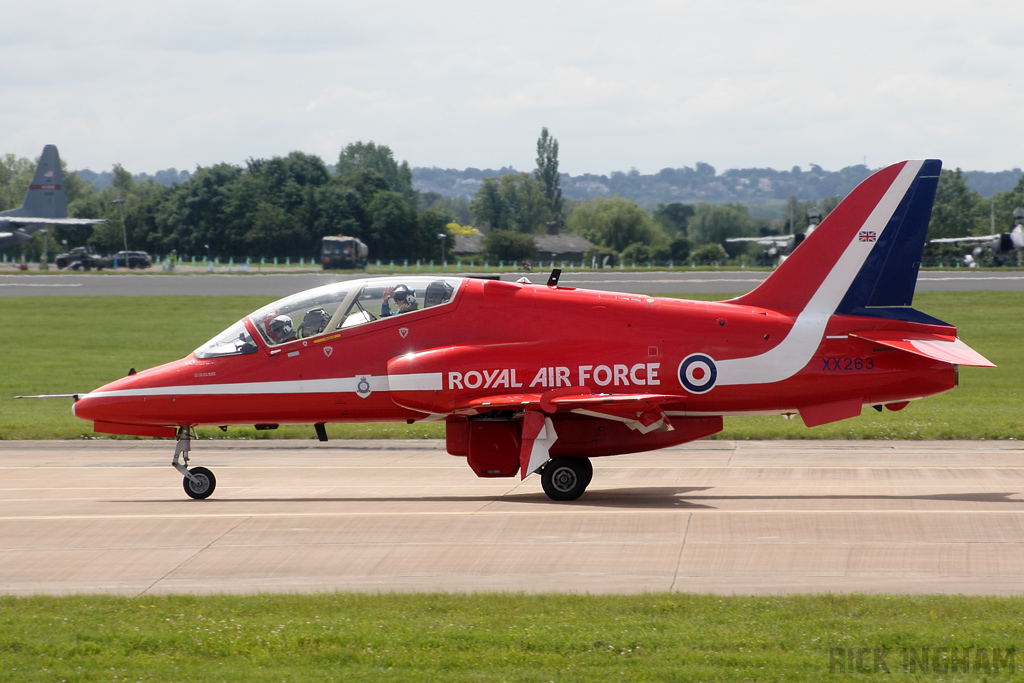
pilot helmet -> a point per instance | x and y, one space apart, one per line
280 328
404 295
437 292
315 321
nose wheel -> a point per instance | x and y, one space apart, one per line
566 478
198 482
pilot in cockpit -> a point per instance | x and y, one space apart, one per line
403 296
280 329
438 292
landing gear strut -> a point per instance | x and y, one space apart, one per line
566 478
198 482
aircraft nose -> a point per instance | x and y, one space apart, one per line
139 399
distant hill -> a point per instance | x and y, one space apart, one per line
168 177
700 184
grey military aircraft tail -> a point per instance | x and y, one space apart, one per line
46 203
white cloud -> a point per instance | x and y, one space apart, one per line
648 85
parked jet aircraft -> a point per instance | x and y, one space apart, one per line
783 245
999 243
45 203
541 378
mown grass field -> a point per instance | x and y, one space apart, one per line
66 345
74 344
565 638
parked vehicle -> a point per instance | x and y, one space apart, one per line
80 258
342 251
130 259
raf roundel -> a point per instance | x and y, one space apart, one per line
697 373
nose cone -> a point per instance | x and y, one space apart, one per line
139 399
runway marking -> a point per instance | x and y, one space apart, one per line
970 278
496 513
20 284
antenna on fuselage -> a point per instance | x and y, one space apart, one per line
553 278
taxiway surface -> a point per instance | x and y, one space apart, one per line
713 516
282 284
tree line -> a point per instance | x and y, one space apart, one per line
284 206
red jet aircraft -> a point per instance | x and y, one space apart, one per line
541 378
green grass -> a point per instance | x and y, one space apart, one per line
652 637
75 344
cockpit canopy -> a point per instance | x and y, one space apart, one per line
333 307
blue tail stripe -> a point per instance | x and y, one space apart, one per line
889 274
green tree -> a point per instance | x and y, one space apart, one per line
273 231
514 201
195 216
638 252
432 223
714 223
709 254
547 173
341 210
15 176
367 156
394 232
674 217
488 208
614 223
525 202
509 246
957 211
679 249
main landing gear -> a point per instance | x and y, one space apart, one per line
199 482
566 478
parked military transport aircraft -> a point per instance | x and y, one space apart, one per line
541 378
46 203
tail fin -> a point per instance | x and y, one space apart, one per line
866 253
46 196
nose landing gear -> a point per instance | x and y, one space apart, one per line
198 482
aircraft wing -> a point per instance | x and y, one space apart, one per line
952 240
942 347
29 220
778 240
9 239
639 411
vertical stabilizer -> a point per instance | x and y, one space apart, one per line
866 253
46 196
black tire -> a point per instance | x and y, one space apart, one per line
566 478
204 487
588 470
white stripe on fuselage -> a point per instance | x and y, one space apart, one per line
797 349
427 381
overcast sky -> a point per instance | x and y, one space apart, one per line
646 84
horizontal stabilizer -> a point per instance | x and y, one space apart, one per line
942 347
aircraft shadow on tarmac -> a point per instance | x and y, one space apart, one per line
639 498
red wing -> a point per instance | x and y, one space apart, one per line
567 399
642 412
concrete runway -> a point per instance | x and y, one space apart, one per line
713 516
127 283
